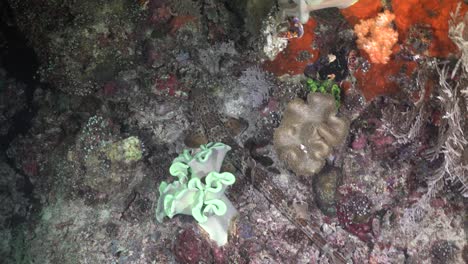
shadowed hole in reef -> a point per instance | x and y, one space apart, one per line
20 62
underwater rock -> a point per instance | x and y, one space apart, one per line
80 45
255 13
191 248
126 150
443 252
195 140
325 190
248 93
14 209
333 66
12 101
435 14
272 43
236 125
109 165
260 151
354 214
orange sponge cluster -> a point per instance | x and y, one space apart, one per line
376 36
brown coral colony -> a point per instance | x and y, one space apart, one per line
308 133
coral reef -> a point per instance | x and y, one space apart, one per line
308 132
119 89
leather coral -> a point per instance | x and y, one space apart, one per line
308 132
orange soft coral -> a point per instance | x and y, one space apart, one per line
377 37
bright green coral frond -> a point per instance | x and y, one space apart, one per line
216 207
207 150
195 183
179 170
197 210
325 87
199 190
216 181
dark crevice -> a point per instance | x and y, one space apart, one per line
21 63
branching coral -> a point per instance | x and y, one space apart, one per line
308 132
452 141
302 8
199 191
377 37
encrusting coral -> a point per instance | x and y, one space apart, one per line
308 132
377 37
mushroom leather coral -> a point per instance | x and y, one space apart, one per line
308 132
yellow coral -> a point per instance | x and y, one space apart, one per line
376 36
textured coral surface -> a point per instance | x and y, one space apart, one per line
308 132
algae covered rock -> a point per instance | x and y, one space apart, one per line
126 150
107 162
325 190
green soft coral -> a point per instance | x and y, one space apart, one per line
325 87
199 190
